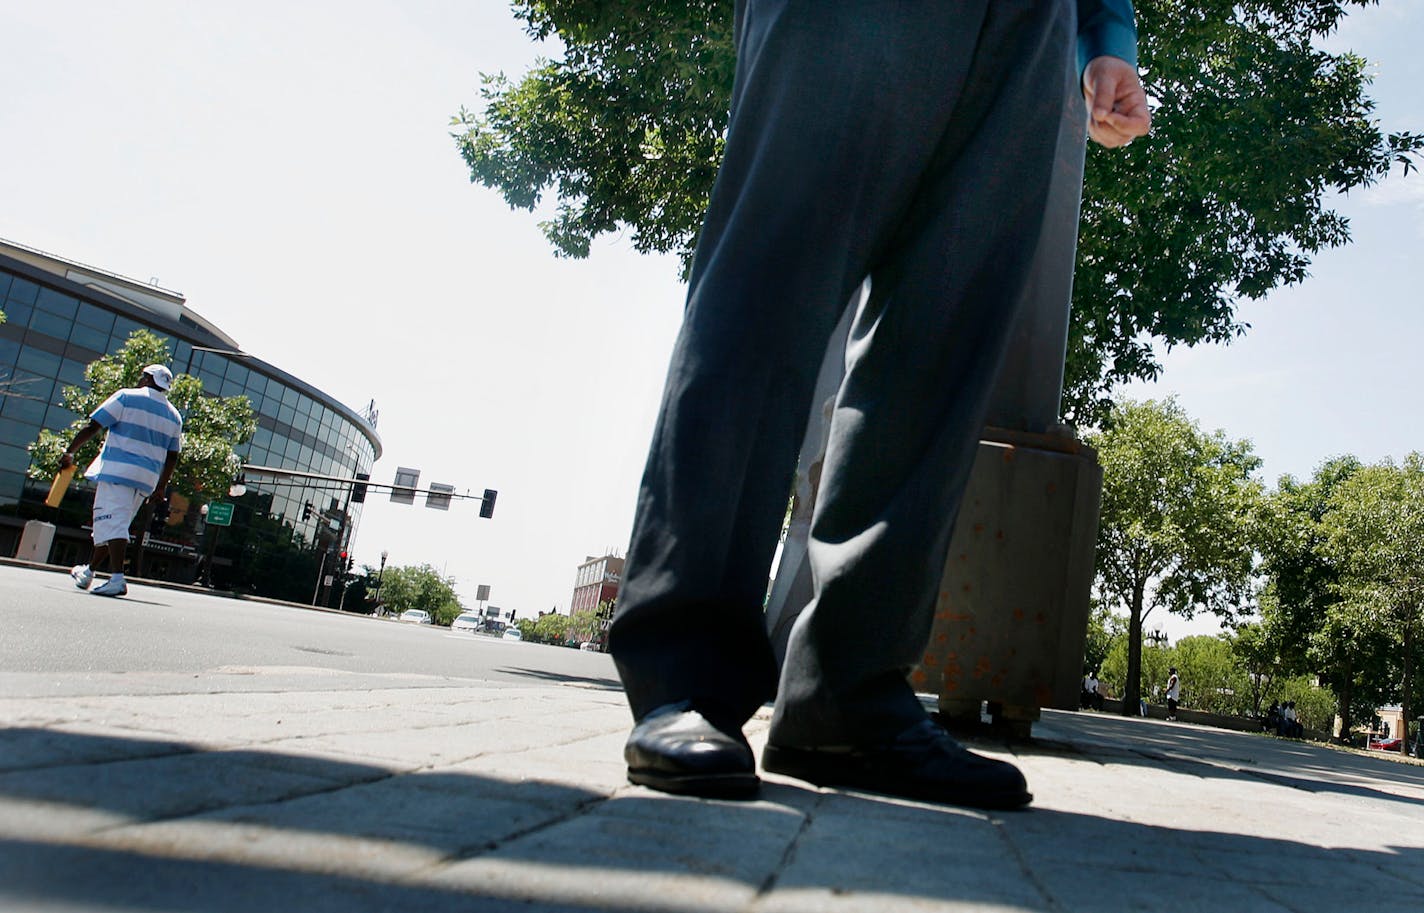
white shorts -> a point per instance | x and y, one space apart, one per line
114 509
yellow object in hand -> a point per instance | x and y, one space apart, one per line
61 484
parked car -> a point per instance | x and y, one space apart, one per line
589 646
1379 744
415 616
468 623
512 633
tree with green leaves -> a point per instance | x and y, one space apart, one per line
1104 630
585 625
1302 621
552 628
1375 531
1174 526
213 427
1255 657
1254 130
421 587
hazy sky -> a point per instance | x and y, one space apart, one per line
288 167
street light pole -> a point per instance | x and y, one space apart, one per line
380 577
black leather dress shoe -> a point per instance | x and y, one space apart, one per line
677 750
923 762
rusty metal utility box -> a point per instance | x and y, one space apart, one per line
36 541
1012 611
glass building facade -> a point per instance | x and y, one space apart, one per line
60 316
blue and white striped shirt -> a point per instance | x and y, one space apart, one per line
143 429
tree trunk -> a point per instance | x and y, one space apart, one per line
1132 688
1346 682
1408 686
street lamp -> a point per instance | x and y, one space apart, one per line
380 576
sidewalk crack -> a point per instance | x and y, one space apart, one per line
476 850
1049 902
789 855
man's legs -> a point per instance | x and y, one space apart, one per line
838 111
860 137
836 115
923 357
114 510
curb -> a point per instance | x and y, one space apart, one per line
188 587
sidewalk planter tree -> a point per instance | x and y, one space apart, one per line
213 427
1173 532
1254 129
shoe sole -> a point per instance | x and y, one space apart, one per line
710 786
123 592
829 770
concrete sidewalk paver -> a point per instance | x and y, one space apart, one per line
344 792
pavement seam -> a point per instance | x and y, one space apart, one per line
1023 863
789 854
201 810
474 851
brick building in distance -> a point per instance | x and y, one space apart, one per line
595 584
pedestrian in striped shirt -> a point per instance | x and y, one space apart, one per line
140 450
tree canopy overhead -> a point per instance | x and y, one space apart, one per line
1255 129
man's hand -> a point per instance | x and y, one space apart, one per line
1117 106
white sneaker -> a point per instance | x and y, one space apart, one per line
114 587
82 575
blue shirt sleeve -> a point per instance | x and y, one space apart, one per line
109 410
1106 27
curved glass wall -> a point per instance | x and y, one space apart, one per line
54 328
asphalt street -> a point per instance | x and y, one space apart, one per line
48 625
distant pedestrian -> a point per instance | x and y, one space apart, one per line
1174 692
1290 723
1091 699
140 451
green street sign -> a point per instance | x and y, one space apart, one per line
220 514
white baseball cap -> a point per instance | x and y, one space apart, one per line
162 377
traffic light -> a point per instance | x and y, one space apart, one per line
487 503
306 510
358 490
345 562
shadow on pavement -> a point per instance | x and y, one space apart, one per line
606 684
1215 753
180 828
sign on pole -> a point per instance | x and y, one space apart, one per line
482 592
220 513
407 480
439 495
